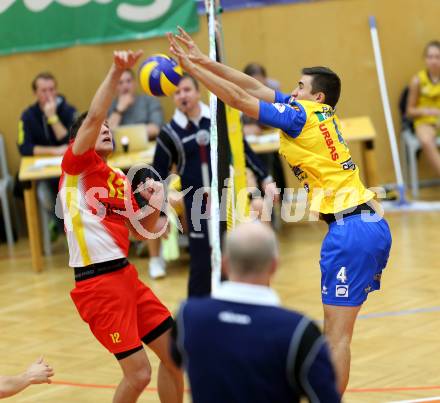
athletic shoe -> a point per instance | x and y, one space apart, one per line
156 268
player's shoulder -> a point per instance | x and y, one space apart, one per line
288 315
316 110
422 77
119 173
415 82
75 164
294 323
200 302
30 112
197 307
312 105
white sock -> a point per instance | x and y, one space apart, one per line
155 259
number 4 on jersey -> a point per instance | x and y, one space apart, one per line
342 275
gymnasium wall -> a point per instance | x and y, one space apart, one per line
283 38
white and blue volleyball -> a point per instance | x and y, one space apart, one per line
159 75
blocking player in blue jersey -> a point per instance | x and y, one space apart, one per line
356 247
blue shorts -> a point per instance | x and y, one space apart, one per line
353 256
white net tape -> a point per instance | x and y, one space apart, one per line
214 197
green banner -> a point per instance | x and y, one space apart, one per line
34 25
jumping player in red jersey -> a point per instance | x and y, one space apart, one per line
99 209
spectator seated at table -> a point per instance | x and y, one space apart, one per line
130 108
43 130
424 104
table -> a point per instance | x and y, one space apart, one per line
357 129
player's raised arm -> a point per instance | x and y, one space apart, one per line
249 84
90 128
288 119
227 91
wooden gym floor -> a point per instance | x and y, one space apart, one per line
396 346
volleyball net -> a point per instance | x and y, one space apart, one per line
227 154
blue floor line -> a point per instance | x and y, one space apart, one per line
399 313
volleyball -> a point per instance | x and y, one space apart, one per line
159 75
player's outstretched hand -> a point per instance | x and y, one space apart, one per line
181 55
271 191
39 372
153 192
194 53
126 59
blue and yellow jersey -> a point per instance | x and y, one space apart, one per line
311 141
429 97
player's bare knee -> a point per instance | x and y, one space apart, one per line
140 379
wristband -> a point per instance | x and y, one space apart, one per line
118 111
53 119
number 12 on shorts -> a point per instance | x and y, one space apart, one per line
116 338
342 275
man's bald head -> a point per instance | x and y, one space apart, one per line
250 249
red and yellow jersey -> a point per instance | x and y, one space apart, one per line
312 143
429 97
95 199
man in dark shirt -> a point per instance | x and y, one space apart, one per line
184 142
240 345
43 129
43 126
252 127
129 108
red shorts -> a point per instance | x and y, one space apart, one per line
119 308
